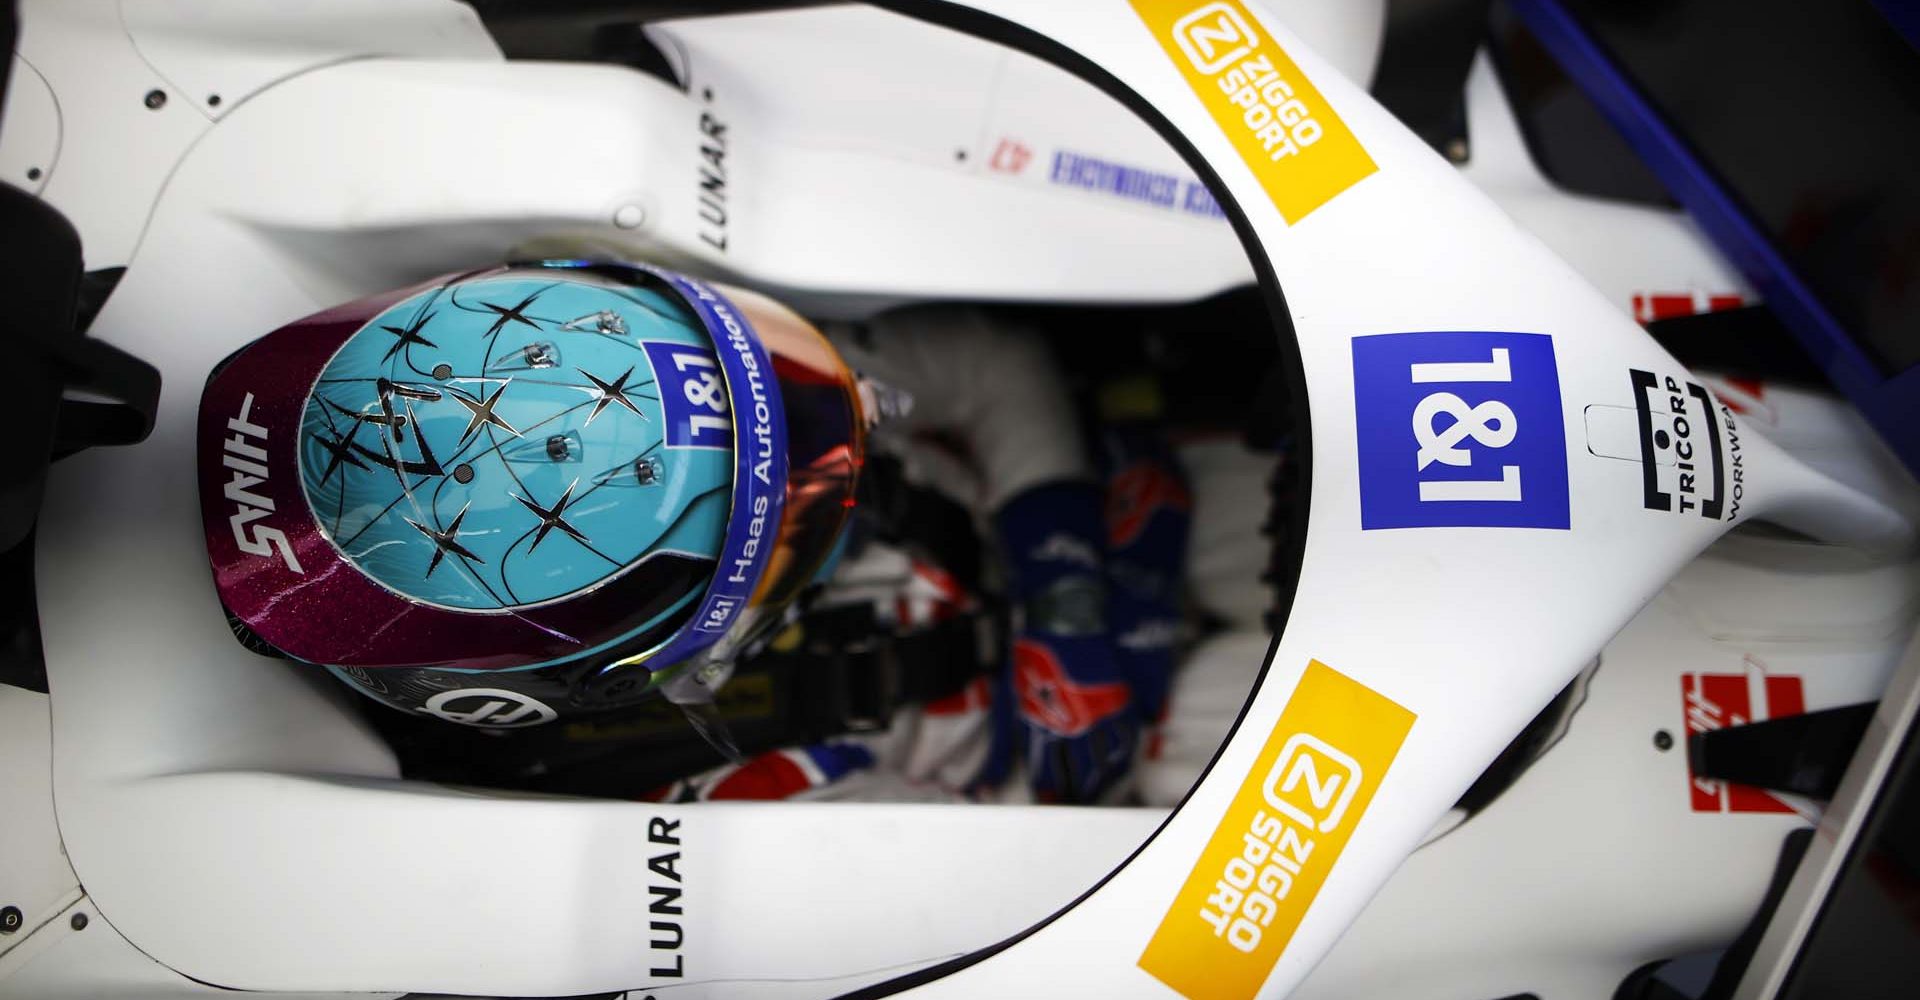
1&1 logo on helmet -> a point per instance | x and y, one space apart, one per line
1459 429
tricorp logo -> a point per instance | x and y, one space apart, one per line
1300 151
1459 429
1687 464
1214 37
1281 835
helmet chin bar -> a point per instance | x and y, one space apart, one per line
231 821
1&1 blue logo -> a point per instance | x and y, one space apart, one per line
1459 430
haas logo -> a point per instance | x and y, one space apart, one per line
493 708
1716 701
248 462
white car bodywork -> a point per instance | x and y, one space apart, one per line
1597 860
233 824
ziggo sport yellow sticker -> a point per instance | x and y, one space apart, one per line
1280 837
1287 133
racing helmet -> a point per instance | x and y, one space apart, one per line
526 492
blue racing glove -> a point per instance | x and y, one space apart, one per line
1072 702
1149 515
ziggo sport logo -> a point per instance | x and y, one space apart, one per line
1216 36
1280 837
1276 847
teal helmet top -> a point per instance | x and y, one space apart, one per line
572 478
499 443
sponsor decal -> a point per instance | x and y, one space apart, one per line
663 904
713 178
758 434
1011 156
1138 184
244 453
1690 458
1158 189
1281 835
1716 701
1197 200
1301 152
1650 306
1459 430
1056 702
692 394
490 708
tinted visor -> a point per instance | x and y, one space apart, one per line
826 444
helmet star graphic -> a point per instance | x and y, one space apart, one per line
516 314
483 414
339 451
552 517
446 541
409 334
610 392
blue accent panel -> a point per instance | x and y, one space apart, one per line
1459 429
1891 404
759 435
